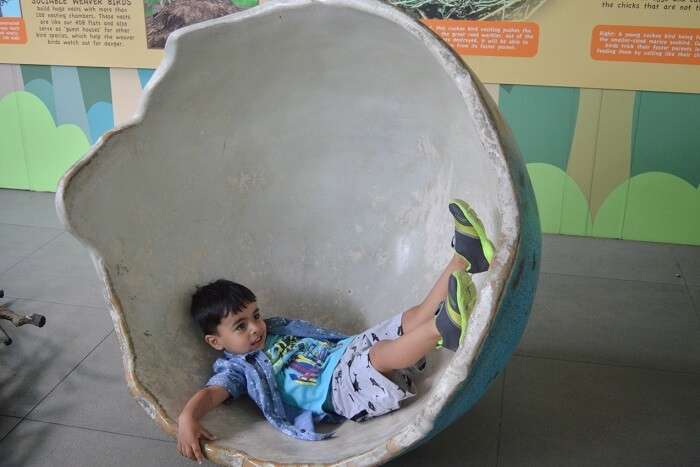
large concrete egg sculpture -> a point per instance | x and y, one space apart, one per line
307 149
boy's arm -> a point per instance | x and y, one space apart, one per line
189 431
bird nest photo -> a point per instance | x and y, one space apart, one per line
493 10
166 16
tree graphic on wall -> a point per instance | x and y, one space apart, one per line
2 2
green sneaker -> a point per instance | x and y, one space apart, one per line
470 241
453 314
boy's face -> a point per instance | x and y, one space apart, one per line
240 332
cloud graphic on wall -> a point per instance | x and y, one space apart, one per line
101 119
43 89
145 76
35 143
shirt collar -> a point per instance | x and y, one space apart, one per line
230 355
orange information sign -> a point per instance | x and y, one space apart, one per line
12 31
646 44
490 38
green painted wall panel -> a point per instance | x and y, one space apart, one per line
543 120
68 97
667 135
95 84
32 72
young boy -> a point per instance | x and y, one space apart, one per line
299 374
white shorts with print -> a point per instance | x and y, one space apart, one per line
359 391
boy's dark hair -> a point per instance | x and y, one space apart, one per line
213 302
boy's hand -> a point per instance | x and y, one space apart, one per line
189 432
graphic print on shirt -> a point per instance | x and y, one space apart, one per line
304 357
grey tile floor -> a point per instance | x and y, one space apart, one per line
607 372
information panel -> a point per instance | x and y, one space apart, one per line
611 44
619 44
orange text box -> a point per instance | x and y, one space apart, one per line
495 38
646 44
12 31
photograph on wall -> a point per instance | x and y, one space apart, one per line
10 9
486 10
12 26
164 17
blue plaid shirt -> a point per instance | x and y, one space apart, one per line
252 374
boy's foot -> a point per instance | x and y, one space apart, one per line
453 314
470 240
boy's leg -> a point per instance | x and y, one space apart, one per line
447 328
424 312
473 252
364 382
405 351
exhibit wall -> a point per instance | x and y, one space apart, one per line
604 163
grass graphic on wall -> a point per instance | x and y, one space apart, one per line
610 163
653 206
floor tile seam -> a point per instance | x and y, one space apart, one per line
58 234
27 256
49 242
84 428
608 365
88 276
683 274
677 282
588 238
2 438
53 389
34 226
21 258
19 420
87 428
38 300
696 306
500 417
